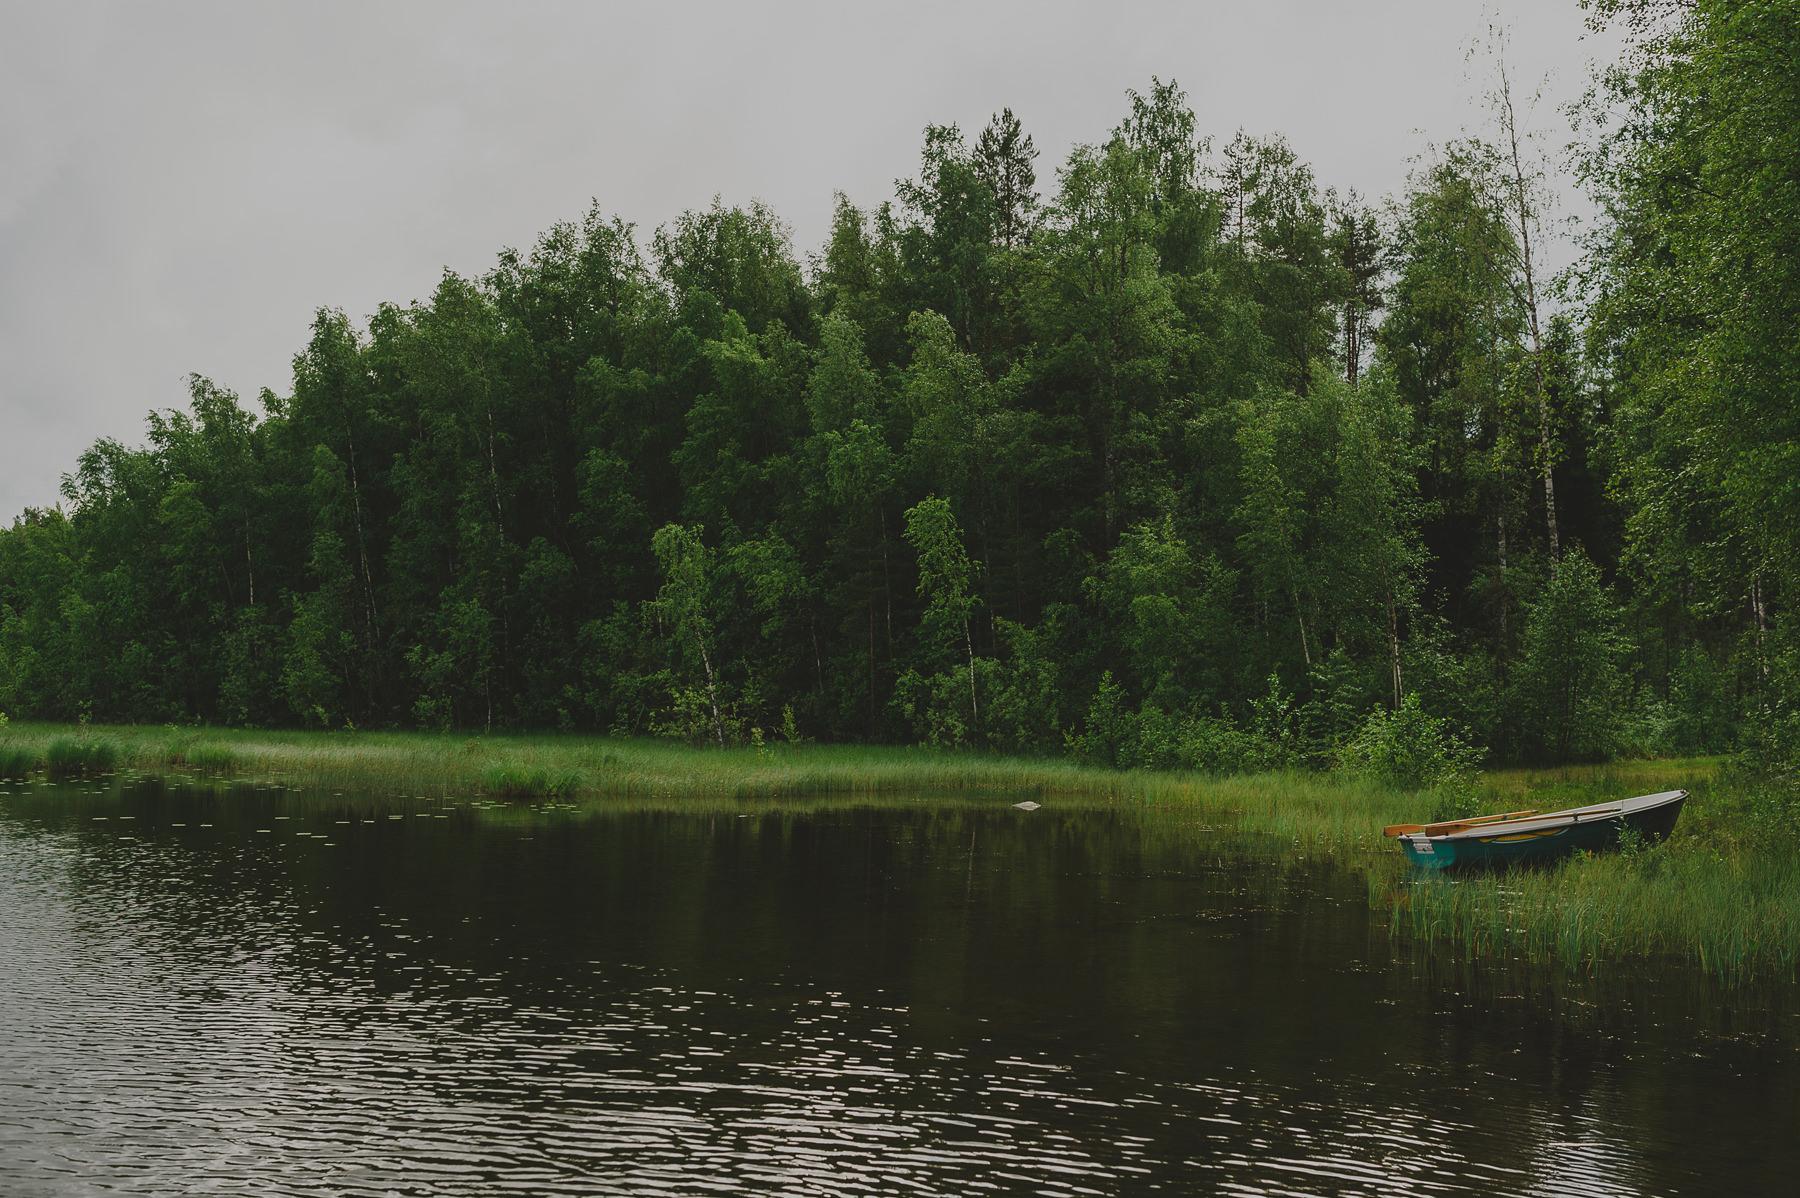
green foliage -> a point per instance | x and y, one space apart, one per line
944 577
212 757
1169 614
944 566
1108 735
1570 683
1411 749
1275 723
1701 714
1007 471
1017 698
689 716
937 707
1024 696
1149 738
742 258
1696 283
16 761
684 607
175 750
1329 514
514 780
71 756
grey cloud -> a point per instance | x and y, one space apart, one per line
185 183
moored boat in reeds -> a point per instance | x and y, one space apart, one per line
1523 837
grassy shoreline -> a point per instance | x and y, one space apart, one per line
1723 894
411 762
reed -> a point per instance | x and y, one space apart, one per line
1736 918
16 761
1319 807
413 763
175 750
1723 894
510 779
211 757
70 756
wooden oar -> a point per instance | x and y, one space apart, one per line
1451 825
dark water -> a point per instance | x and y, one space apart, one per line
249 992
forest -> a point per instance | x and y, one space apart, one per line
1169 456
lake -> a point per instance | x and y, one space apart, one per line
240 989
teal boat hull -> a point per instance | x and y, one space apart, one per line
1547 838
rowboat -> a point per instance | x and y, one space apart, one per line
1520 837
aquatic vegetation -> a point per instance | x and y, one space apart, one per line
16 762
72 755
208 756
212 757
1737 918
516 781
1723 894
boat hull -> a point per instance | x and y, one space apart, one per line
1544 839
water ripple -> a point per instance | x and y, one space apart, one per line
227 1012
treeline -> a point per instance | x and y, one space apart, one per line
1180 459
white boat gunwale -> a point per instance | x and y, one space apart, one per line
1550 821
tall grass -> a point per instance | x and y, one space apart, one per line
69 756
1723 894
1737 918
412 763
211 757
511 780
16 762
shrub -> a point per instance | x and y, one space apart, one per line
1767 767
1021 695
69 756
689 717
1411 749
1569 682
1703 692
938 707
1700 716
1109 734
1648 728
515 781
1218 746
1150 738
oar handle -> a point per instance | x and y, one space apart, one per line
1451 825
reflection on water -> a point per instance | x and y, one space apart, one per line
249 991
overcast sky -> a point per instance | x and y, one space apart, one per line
181 185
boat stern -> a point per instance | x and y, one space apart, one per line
1426 853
